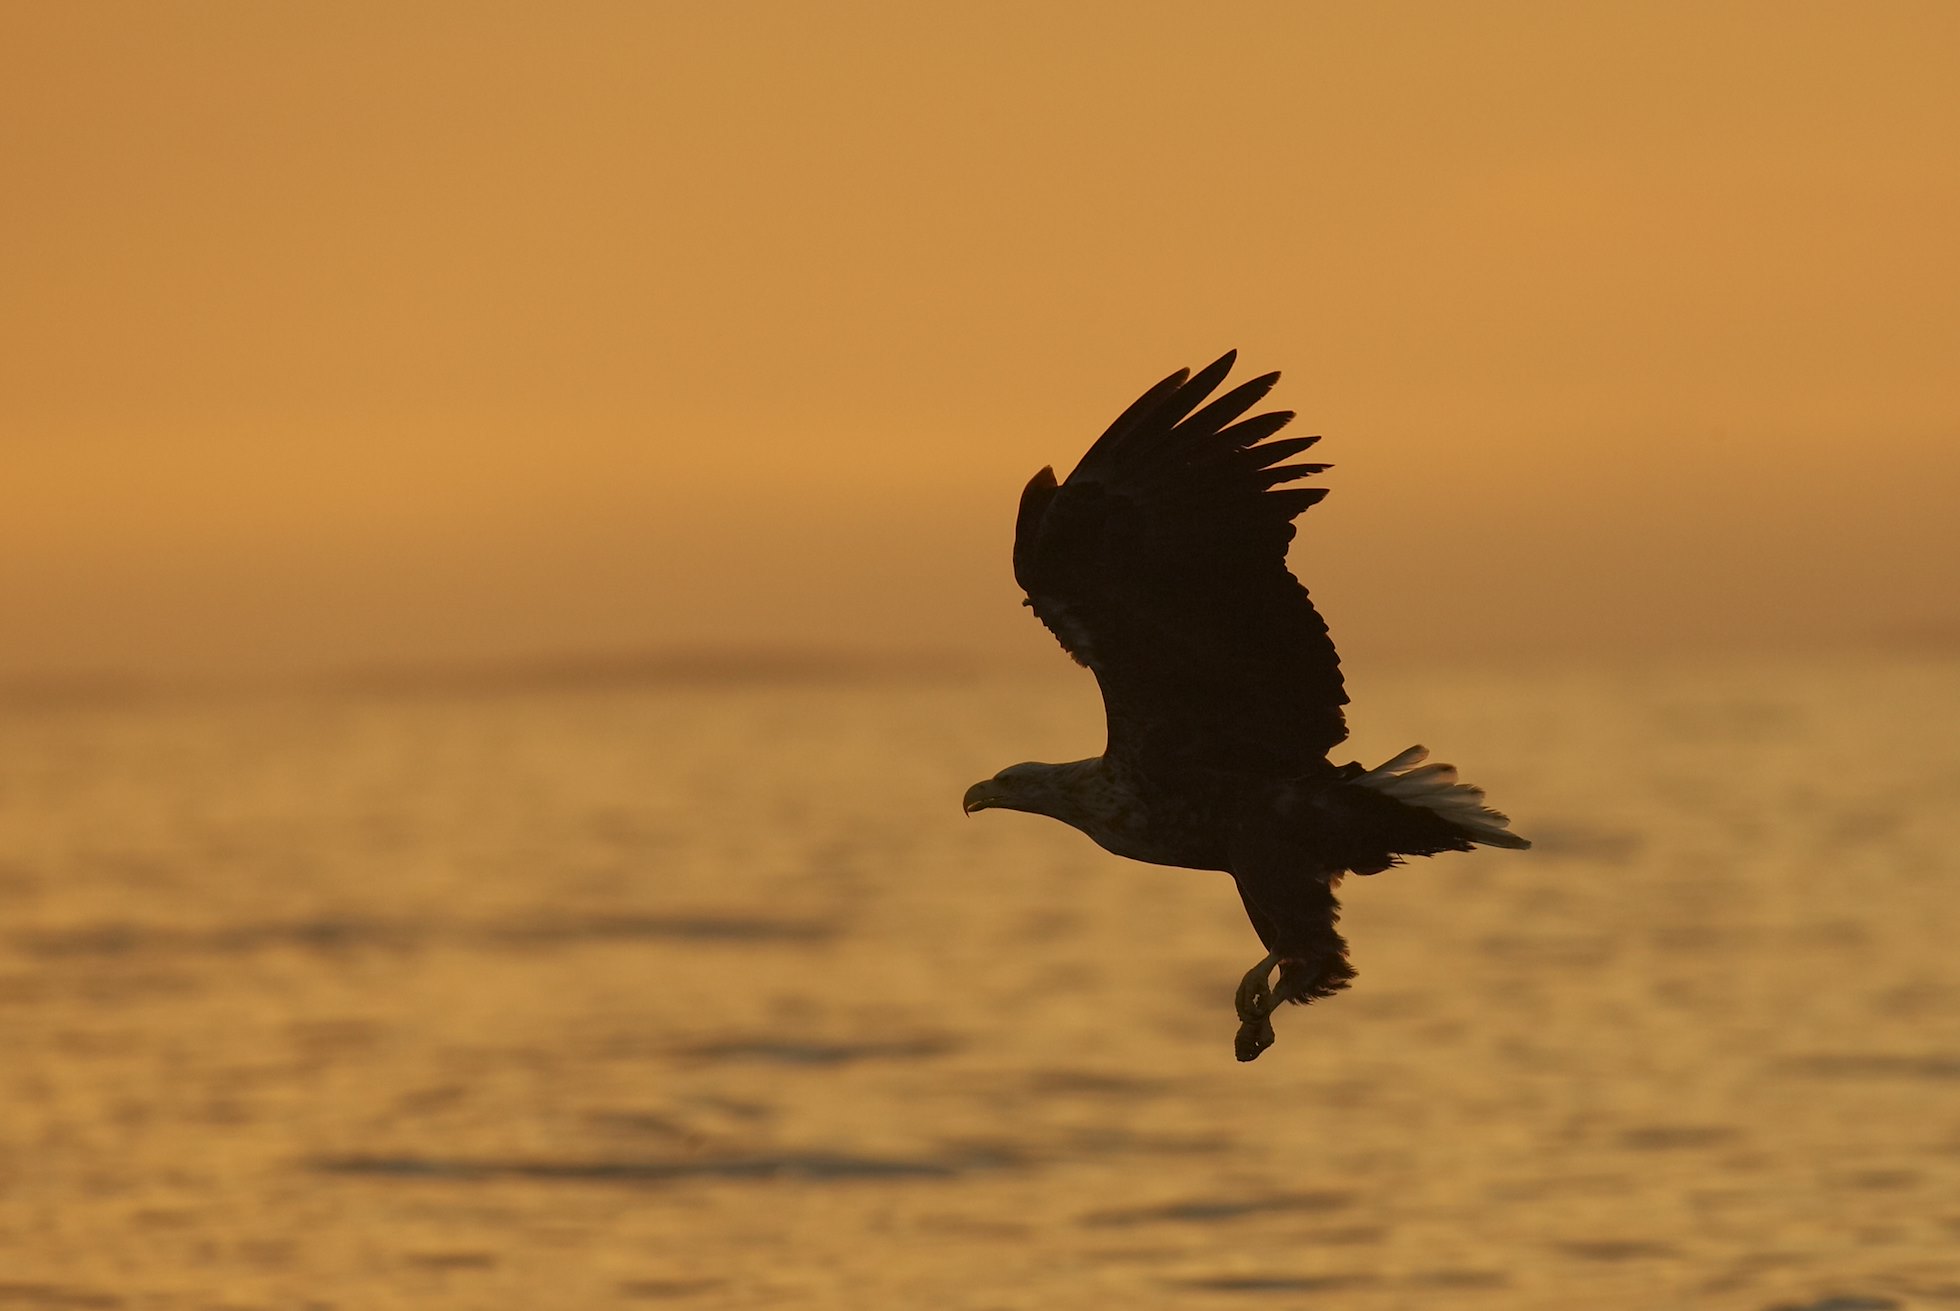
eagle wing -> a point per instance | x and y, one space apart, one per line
1160 563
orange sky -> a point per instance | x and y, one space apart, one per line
341 333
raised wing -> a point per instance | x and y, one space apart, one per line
1161 565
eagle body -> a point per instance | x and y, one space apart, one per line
1160 564
1320 820
1121 813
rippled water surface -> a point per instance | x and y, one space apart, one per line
712 998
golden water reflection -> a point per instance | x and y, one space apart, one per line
404 999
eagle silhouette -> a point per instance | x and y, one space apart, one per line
1160 563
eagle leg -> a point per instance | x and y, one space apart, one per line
1255 1005
1258 998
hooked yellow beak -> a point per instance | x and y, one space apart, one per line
980 796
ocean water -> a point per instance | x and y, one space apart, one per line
710 997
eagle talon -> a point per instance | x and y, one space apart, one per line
1254 999
1254 1037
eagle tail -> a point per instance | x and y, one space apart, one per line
1434 788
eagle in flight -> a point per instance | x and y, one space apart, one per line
1160 563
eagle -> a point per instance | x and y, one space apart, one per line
1160 564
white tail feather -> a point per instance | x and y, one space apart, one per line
1434 788
1413 756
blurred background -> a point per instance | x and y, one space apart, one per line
345 334
504 516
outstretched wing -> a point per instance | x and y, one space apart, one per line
1161 565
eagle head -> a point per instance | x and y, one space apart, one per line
1039 789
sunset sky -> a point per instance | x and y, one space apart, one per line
339 334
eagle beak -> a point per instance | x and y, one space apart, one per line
979 797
